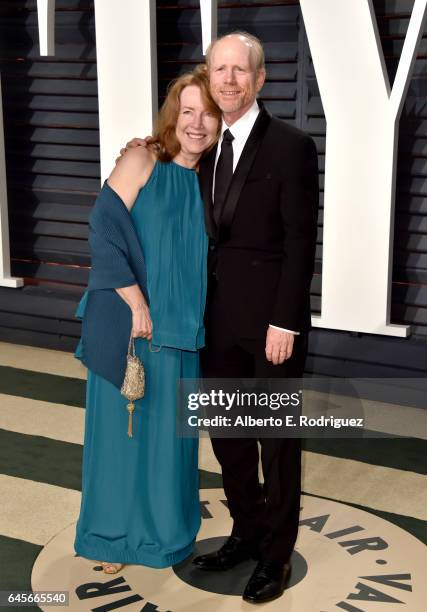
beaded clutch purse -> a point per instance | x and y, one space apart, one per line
133 387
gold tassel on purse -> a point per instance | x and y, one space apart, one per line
133 387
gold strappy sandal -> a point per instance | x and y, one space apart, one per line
111 568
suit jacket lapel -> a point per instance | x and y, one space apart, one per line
242 170
206 183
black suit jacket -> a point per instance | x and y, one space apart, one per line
263 251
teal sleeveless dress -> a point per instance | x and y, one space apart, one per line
140 499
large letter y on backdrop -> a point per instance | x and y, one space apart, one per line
362 115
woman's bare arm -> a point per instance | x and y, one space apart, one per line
126 179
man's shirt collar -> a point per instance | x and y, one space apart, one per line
243 126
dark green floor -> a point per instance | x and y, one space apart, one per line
59 463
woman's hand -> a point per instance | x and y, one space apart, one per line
142 325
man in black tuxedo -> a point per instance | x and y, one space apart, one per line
260 188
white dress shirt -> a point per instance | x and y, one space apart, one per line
240 131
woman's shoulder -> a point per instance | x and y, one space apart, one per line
131 173
135 165
138 158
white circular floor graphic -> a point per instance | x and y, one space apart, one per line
345 559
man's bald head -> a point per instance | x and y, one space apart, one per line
252 42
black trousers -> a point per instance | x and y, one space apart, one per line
268 515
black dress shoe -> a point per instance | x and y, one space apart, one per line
233 551
268 581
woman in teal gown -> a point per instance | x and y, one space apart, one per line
140 501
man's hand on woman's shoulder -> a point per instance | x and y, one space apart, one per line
135 142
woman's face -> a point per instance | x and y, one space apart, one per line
196 127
